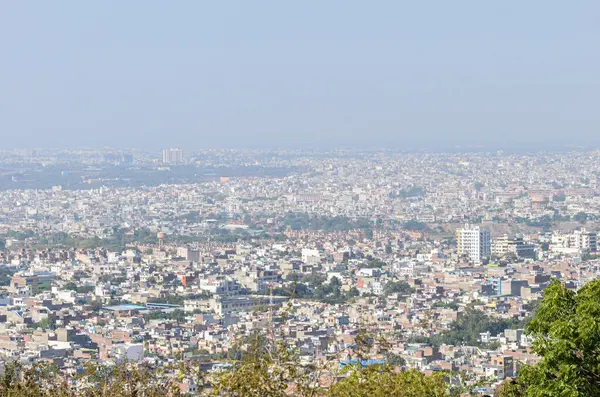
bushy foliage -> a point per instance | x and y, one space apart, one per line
265 370
43 380
304 221
468 326
398 287
566 332
264 367
382 381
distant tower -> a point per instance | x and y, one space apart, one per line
172 156
161 239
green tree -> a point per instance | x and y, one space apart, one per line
383 381
6 274
44 380
509 388
580 217
414 225
414 191
84 289
265 370
335 282
395 360
352 292
46 323
566 333
398 287
466 329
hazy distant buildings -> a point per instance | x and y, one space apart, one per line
172 156
118 158
474 242
127 158
31 153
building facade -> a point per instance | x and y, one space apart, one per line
474 242
172 156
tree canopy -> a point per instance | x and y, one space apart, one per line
566 332
399 287
466 329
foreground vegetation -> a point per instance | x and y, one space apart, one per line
566 332
256 377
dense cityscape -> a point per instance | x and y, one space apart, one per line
163 257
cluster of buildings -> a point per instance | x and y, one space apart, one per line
172 156
420 241
475 244
436 189
195 302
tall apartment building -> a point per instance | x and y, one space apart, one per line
474 242
172 156
587 241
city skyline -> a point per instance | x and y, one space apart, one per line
270 198
171 257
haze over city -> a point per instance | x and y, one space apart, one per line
299 74
299 199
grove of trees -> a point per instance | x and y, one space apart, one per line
566 332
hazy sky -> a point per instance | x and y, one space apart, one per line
224 73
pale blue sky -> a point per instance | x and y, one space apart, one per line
281 73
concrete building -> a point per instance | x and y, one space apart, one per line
128 352
222 305
579 240
512 287
504 245
502 366
584 240
473 242
220 285
311 256
172 156
190 254
22 281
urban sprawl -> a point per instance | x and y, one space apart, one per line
112 256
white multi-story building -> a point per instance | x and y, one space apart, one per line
220 285
474 242
578 240
585 240
172 156
311 256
